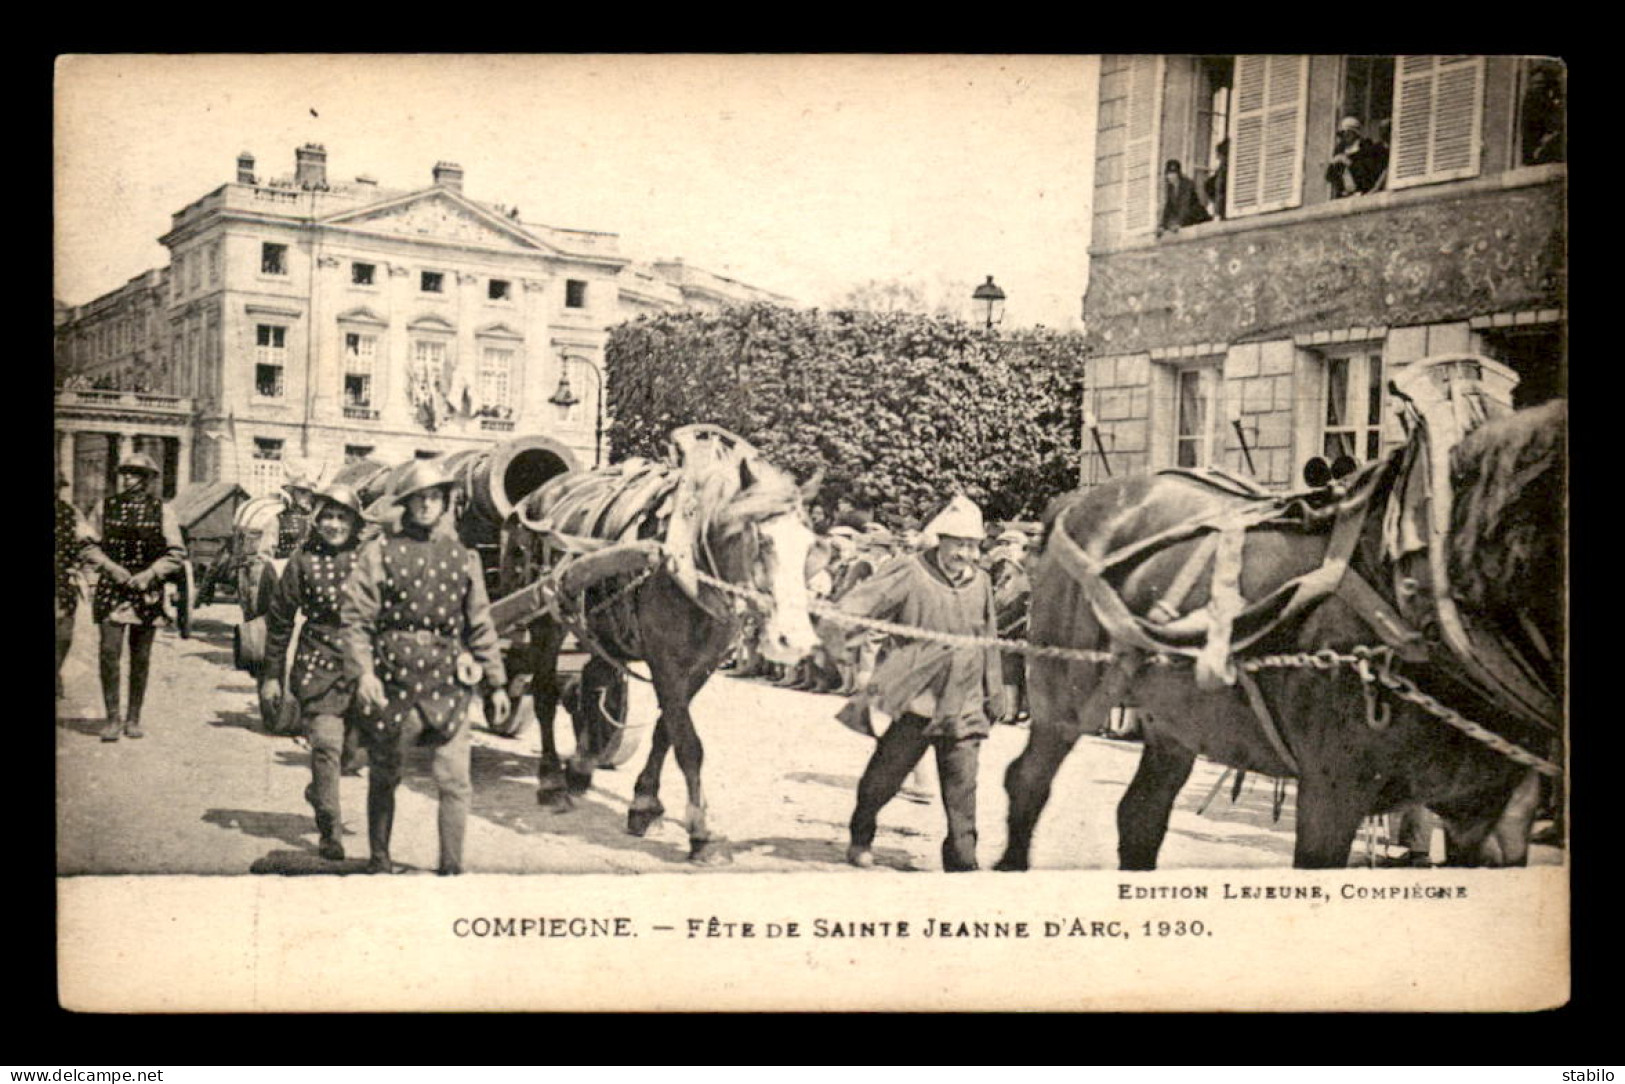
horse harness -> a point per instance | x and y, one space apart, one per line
606 532
1213 634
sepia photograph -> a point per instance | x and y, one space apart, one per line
812 532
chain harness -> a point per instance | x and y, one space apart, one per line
1373 665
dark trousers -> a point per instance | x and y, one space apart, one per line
327 737
896 753
387 755
141 637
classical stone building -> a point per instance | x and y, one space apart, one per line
1281 319
326 321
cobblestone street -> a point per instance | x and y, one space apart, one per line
208 792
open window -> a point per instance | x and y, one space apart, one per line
1538 353
1542 112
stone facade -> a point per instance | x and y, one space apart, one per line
1294 318
303 319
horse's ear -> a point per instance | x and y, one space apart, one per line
747 477
809 488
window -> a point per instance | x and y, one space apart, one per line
428 363
265 474
499 290
1266 133
360 354
361 274
1542 110
194 268
355 453
575 294
1438 119
432 282
1195 390
1368 94
270 358
1210 170
273 259
496 375
1354 400
179 281
214 264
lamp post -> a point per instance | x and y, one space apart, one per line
564 398
990 295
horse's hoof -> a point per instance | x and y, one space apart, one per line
557 801
710 852
1009 864
638 820
578 783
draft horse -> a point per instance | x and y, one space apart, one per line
718 508
1354 750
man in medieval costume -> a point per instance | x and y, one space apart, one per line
311 583
138 546
419 641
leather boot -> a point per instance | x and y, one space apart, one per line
113 728
132 728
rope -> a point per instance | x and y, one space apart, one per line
1359 659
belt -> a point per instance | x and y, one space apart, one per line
422 636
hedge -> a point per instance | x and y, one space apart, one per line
900 410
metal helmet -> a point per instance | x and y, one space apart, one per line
342 495
140 461
422 474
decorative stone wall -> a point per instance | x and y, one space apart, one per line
1119 395
1417 262
1259 387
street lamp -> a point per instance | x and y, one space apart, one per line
993 297
564 398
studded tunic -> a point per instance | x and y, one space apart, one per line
138 532
411 605
291 527
312 582
73 534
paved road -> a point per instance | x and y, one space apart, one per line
207 792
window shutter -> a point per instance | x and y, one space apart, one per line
1266 134
1438 122
1140 144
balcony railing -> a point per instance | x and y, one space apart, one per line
361 413
497 425
97 398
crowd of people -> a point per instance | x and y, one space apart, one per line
396 651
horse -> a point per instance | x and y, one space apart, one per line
1354 750
735 518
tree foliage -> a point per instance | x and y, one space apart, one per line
900 410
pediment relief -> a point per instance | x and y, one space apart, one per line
498 331
362 315
437 216
431 322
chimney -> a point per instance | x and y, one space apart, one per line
310 168
448 175
245 168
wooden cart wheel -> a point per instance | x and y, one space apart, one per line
251 646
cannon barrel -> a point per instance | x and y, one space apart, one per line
490 481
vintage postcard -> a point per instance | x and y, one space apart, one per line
752 533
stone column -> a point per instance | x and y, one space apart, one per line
183 459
